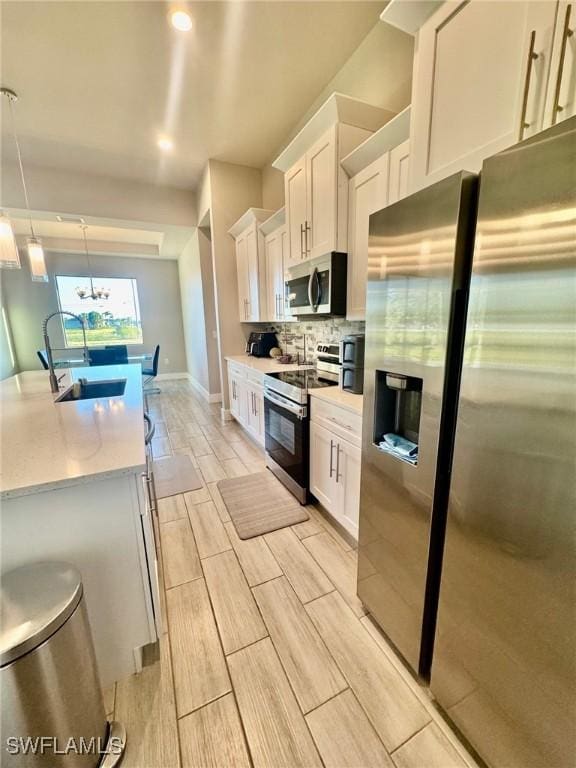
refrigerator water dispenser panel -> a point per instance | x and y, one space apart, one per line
397 411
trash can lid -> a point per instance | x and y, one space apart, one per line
35 601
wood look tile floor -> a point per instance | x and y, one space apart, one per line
268 659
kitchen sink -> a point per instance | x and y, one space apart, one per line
90 390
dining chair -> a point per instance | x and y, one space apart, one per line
149 374
120 352
102 357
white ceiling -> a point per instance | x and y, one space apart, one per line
100 81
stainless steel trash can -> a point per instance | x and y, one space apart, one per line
52 706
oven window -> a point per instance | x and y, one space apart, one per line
282 431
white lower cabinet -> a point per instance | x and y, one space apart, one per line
255 411
335 475
247 399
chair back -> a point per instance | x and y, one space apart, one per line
155 360
102 357
120 352
43 358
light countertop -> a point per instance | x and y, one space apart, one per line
47 444
342 399
264 364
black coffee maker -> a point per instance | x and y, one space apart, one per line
259 344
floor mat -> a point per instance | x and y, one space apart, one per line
175 474
259 503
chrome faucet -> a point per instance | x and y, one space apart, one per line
53 379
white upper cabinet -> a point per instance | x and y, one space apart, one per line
275 238
316 187
251 265
368 194
399 177
379 171
561 92
480 78
320 235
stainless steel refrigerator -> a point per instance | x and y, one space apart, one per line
477 589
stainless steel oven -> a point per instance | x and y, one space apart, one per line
287 440
318 286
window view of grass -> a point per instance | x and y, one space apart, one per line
115 320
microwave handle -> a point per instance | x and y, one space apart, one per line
314 278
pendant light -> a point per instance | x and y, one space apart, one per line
93 293
9 256
33 244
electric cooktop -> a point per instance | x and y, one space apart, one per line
296 384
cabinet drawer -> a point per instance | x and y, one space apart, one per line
237 370
342 422
254 376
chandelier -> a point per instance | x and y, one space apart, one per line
93 293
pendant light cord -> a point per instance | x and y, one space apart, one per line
84 228
13 117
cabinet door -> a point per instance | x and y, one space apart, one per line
295 196
368 192
348 461
253 274
322 466
233 393
274 275
286 311
399 172
242 273
474 83
561 93
320 235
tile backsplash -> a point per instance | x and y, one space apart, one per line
309 333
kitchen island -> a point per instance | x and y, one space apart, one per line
73 488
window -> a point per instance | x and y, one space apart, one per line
115 320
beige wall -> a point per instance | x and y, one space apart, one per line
197 291
28 303
379 72
7 364
231 190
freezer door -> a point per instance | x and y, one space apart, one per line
418 265
504 663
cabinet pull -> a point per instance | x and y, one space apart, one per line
338 475
331 450
532 56
566 33
302 254
307 229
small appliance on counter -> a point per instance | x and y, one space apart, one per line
352 363
260 343
328 362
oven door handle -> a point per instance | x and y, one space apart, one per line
282 402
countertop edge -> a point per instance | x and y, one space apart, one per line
352 406
56 485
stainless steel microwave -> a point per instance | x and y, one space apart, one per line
318 286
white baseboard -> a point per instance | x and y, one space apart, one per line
169 376
215 398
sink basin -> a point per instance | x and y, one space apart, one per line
90 390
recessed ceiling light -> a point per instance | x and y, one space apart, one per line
165 144
181 21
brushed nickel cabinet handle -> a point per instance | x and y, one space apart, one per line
566 33
532 56
338 475
307 229
302 254
331 450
